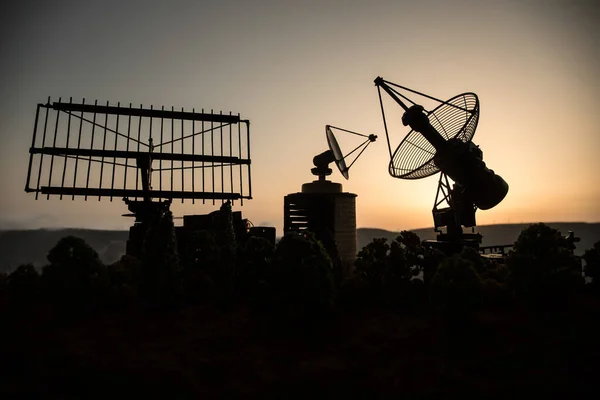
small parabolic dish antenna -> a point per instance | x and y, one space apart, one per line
335 154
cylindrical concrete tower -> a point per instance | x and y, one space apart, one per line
325 210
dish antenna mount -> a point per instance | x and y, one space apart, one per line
334 154
440 141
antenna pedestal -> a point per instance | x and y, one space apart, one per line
323 209
321 186
453 244
459 213
144 212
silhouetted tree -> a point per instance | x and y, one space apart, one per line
124 276
406 256
327 239
413 250
471 254
592 264
431 262
75 280
494 281
389 269
372 261
395 290
494 294
496 271
405 262
302 277
456 287
355 293
543 270
3 291
23 289
254 264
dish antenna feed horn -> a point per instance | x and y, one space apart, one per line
334 154
440 141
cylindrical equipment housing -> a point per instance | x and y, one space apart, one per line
330 214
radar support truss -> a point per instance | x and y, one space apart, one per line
451 209
93 150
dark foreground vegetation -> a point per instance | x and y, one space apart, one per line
228 319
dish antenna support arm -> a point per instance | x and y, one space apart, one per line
459 210
414 115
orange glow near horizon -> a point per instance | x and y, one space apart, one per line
293 69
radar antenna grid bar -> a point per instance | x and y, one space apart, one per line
92 150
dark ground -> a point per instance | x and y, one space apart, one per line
202 352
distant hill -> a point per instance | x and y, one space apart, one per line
19 247
496 234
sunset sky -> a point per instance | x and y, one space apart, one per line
292 67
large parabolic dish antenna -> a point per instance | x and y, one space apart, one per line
440 140
456 118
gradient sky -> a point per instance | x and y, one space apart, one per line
292 67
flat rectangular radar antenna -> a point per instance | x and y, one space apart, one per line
84 150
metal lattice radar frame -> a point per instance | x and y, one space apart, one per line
99 150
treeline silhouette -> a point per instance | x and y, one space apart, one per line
293 283
296 277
